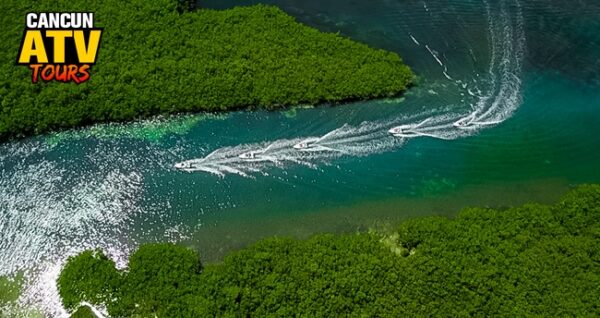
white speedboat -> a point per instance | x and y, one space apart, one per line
185 166
307 144
192 166
465 122
250 155
258 155
409 130
312 145
472 122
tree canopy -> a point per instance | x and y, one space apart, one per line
159 57
533 260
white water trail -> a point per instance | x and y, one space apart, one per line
414 39
506 101
437 59
494 104
47 213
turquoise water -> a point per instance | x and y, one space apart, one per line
529 71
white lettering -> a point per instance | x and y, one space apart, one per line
77 20
31 20
88 20
63 20
42 21
53 20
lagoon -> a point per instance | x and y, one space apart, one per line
114 186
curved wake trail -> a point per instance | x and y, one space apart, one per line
501 99
48 212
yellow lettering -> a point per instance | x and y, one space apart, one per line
87 53
59 43
33 45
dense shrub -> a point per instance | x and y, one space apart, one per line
83 312
533 260
158 276
157 57
89 276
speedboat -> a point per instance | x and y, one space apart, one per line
471 122
307 144
190 166
185 166
466 122
311 145
256 155
403 131
409 130
250 155
182 165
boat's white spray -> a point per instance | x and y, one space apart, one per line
48 213
493 105
414 40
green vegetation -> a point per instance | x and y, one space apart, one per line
533 260
10 290
89 276
158 57
83 312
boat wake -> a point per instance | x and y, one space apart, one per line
496 98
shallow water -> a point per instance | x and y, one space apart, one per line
528 70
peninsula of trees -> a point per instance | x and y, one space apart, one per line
158 57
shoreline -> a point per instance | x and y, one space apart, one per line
215 113
240 229
235 64
480 254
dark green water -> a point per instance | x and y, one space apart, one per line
533 67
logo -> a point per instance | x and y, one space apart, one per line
60 46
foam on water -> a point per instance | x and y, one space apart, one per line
414 40
44 211
501 98
48 212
